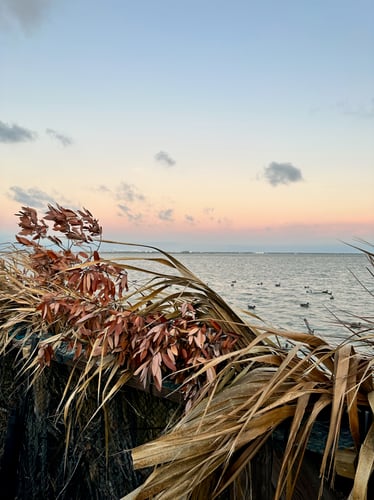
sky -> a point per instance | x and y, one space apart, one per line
202 125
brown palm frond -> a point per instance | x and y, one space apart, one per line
248 408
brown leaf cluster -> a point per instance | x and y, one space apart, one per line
86 304
150 345
31 225
77 226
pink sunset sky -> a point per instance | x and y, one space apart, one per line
208 126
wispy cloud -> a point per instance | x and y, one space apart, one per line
15 133
166 215
282 173
189 218
61 138
363 110
103 189
128 213
209 212
129 193
165 159
360 109
27 13
32 197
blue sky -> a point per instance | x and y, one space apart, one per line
208 125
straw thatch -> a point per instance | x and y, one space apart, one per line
240 386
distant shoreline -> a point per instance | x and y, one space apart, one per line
228 252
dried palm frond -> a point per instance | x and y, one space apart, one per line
244 407
261 387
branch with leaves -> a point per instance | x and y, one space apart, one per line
82 302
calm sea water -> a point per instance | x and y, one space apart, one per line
277 288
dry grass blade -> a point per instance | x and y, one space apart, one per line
232 473
342 362
352 404
287 463
365 461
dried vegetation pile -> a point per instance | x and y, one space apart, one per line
60 300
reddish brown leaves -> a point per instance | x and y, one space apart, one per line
24 241
30 224
78 226
85 301
45 355
169 360
156 370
